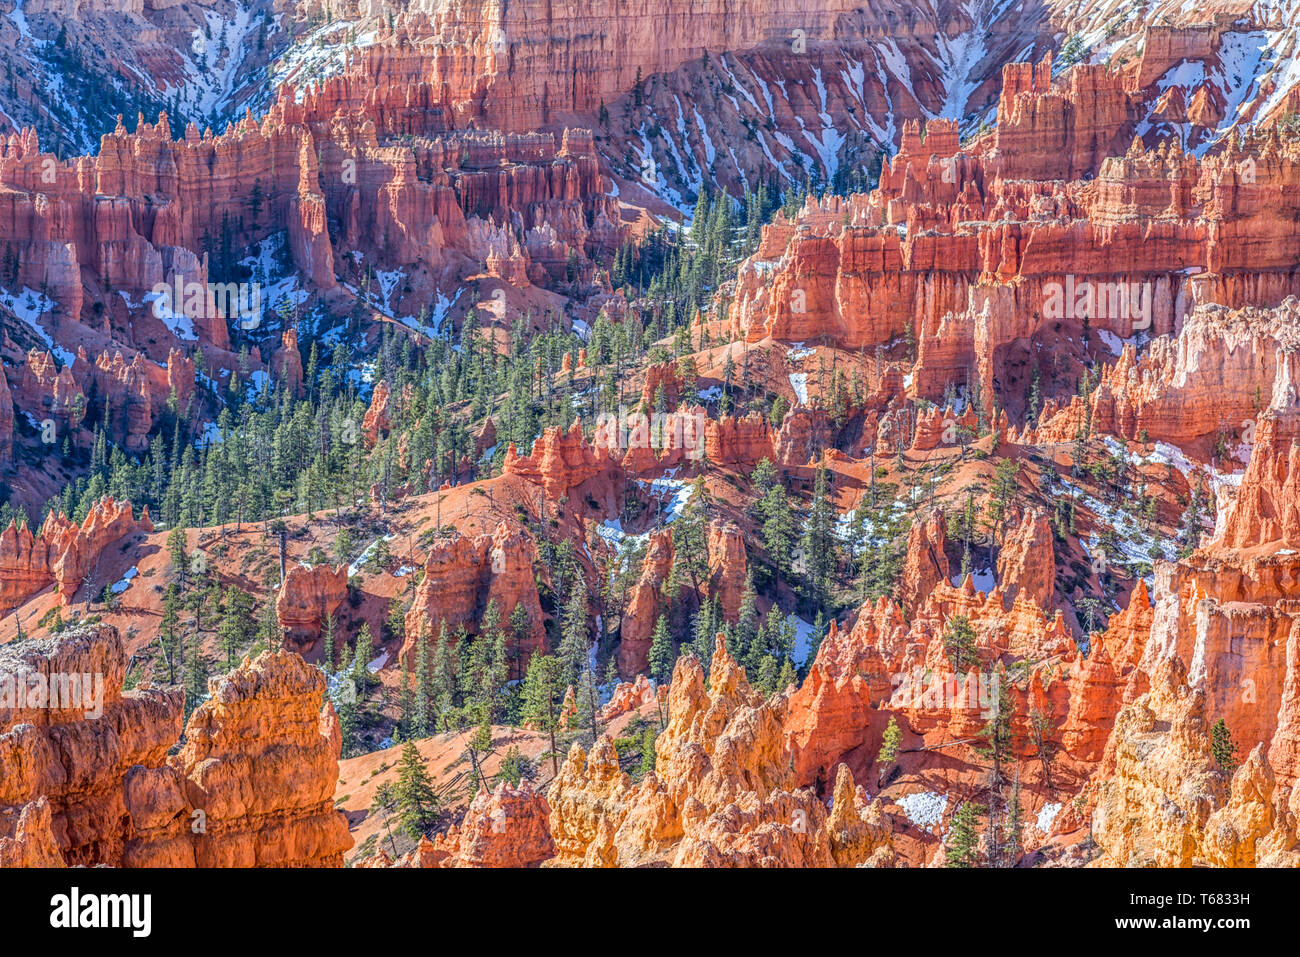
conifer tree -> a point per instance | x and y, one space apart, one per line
444 680
1222 748
575 640
962 846
661 655
543 694
330 655
959 644
819 542
421 722
1013 843
417 803
889 745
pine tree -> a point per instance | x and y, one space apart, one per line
819 542
543 694
444 680
269 634
996 737
647 753
588 703
746 621
959 644
705 631
963 839
422 707
361 653
330 655
230 635
1013 843
477 748
196 678
575 640
169 636
661 655
405 704
890 742
417 803
1222 748
179 559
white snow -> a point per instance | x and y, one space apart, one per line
125 583
259 382
924 808
679 491
211 435
29 305
983 579
803 635
1047 815
355 567
178 323
799 382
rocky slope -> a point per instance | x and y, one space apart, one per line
89 779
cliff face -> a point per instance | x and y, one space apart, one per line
463 575
722 793
1214 378
975 247
1267 507
6 421
98 234
507 827
644 605
90 782
562 463
307 598
1153 811
260 761
1027 560
62 553
65 765
1220 645
136 391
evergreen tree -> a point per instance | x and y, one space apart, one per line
1013 841
169 635
647 753
819 542
362 652
1222 748
405 704
889 745
661 655
543 694
422 708
417 803
962 846
478 747
959 644
575 640
330 654
196 678
443 680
